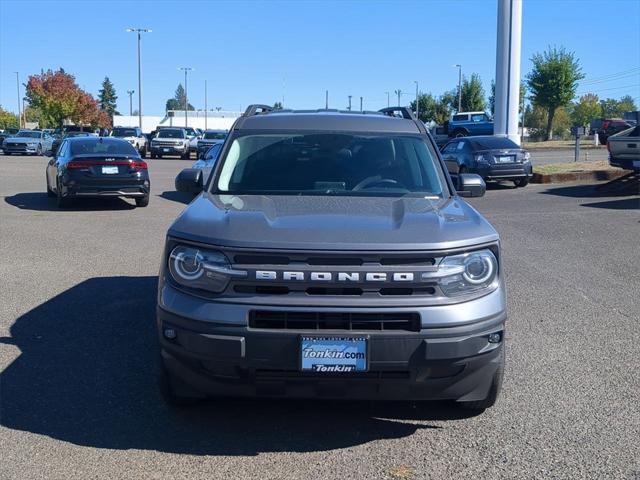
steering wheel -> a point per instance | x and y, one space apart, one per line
376 180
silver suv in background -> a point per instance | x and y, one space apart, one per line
170 141
134 136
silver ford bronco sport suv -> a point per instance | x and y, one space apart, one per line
329 254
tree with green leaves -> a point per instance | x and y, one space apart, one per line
586 109
553 81
612 108
8 119
627 104
473 99
536 122
178 100
277 106
107 98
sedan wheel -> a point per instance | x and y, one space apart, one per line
61 201
50 193
39 150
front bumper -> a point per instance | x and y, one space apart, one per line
223 356
20 148
169 150
506 171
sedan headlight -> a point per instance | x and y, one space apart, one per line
31 144
481 159
201 269
468 273
527 157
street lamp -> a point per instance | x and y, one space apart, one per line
205 105
398 93
388 104
130 93
186 95
417 107
349 108
18 88
459 86
139 31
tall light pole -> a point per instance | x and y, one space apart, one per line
205 105
18 90
398 93
361 104
459 86
349 108
326 99
417 107
139 31
186 95
130 93
388 104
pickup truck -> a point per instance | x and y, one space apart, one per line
624 149
465 124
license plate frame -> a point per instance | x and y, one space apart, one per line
505 159
109 170
166 150
357 344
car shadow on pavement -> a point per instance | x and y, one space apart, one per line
86 374
180 197
39 201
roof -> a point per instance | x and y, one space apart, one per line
328 120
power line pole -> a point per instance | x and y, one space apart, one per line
417 107
388 104
186 95
459 86
361 104
326 99
205 105
398 92
349 108
130 93
18 90
139 31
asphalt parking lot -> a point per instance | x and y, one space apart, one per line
78 354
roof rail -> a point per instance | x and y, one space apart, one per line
406 114
256 109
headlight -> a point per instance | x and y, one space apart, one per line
31 144
527 156
481 159
201 269
179 143
468 273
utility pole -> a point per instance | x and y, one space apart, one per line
388 104
18 90
205 105
361 104
186 95
326 99
139 31
459 86
130 93
349 108
417 107
398 92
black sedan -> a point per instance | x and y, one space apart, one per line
493 158
97 167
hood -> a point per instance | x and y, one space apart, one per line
332 223
22 140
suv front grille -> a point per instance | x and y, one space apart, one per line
288 320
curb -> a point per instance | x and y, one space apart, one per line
597 175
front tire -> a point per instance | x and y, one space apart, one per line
460 133
142 201
143 152
521 182
186 156
39 151
50 193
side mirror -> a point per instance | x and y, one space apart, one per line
471 185
189 180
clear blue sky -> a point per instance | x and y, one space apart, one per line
247 50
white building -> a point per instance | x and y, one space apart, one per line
219 120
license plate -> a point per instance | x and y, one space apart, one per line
504 159
166 149
109 170
333 354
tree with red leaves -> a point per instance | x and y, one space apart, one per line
59 98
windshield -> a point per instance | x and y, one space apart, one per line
190 132
215 135
101 147
330 164
170 134
78 134
123 132
28 134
